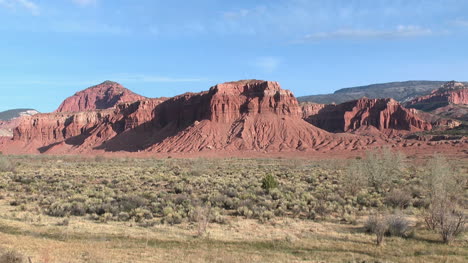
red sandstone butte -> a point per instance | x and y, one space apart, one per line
243 118
450 93
103 96
386 115
250 115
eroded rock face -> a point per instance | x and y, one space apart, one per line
450 93
309 109
103 96
244 115
7 126
231 100
249 115
51 128
383 114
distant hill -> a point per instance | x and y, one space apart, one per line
15 113
400 91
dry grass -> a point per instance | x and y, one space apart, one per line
25 227
241 240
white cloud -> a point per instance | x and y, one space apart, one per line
32 7
401 31
85 2
460 22
267 64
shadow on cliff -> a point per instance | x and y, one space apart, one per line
330 118
170 118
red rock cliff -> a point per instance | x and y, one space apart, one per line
248 115
450 93
383 114
103 96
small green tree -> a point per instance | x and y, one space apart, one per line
269 182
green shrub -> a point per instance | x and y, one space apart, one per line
269 182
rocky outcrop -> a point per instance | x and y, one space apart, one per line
450 93
103 96
248 115
12 119
309 109
386 115
234 117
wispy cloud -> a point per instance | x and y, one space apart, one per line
154 78
85 2
401 31
187 29
30 6
88 28
267 64
460 22
237 14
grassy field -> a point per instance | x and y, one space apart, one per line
74 209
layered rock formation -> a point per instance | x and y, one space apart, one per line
249 115
386 115
103 96
12 120
450 93
244 116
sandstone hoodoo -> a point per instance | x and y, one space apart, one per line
450 93
103 96
386 115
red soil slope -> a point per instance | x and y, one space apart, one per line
103 96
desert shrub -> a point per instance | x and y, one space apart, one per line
78 209
123 216
269 182
398 198
398 226
382 169
354 179
445 219
131 202
59 209
446 199
201 216
171 217
6 165
378 225
106 217
12 257
140 214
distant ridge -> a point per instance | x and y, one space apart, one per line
15 113
400 91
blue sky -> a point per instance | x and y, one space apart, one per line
50 49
